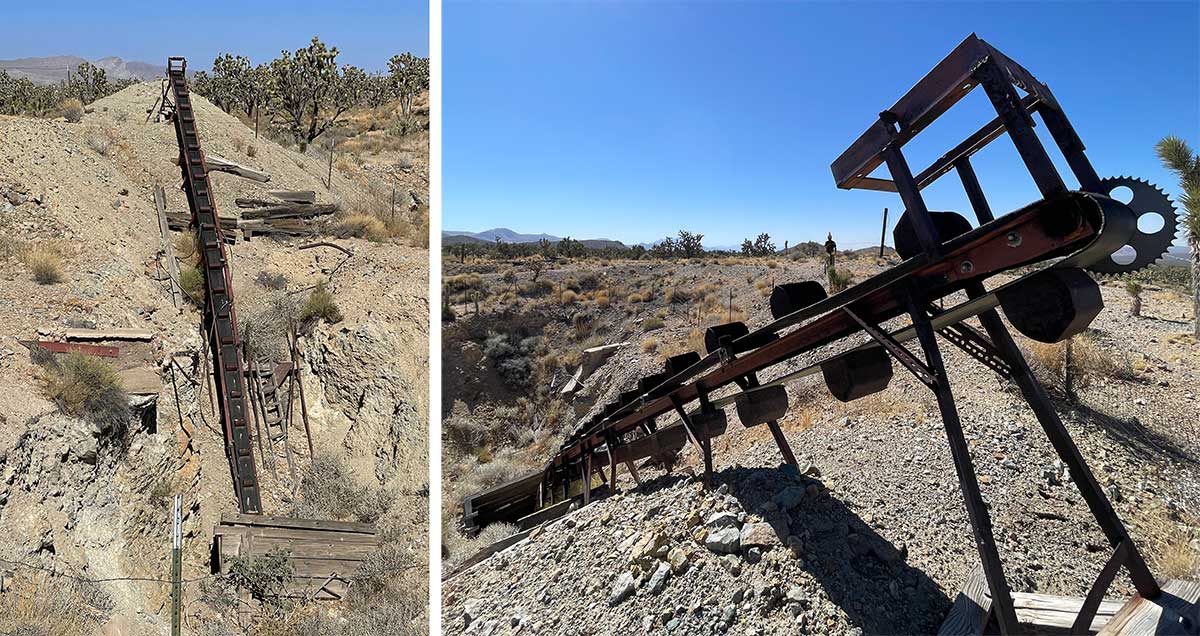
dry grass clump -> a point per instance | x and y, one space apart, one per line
191 282
44 264
650 324
649 345
71 109
635 297
1075 363
87 388
364 226
602 298
48 604
329 491
1169 546
320 306
100 145
678 296
567 297
463 282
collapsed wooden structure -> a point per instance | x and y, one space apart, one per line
1062 236
322 556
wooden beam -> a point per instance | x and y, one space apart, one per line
165 246
217 162
290 210
109 334
294 196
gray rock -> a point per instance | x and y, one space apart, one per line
622 589
658 580
727 540
789 497
723 520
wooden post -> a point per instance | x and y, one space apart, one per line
166 248
329 178
256 110
177 565
393 198
296 359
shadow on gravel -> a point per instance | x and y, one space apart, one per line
1131 433
860 571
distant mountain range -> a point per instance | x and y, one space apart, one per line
454 237
53 69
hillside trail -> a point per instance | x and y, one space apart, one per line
84 191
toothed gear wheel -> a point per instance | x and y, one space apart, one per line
1148 246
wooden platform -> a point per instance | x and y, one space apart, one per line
324 555
1174 613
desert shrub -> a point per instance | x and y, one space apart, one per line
678 296
465 433
497 346
266 328
252 151
601 299
100 145
88 388
271 280
839 279
634 298
535 288
320 306
328 490
71 109
649 345
650 324
43 604
264 577
1075 363
463 282
191 282
45 266
515 371
567 297
364 226
448 314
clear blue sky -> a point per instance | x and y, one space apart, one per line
632 120
367 33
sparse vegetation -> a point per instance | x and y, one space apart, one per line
1134 289
88 388
42 603
320 305
72 110
1075 363
271 280
191 282
363 226
328 490
44 265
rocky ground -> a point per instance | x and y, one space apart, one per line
83 192
872 536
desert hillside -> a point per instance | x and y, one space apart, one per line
79 249
870 535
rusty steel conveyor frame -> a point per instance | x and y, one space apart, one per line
1082 227
220 321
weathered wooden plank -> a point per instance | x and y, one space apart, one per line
109 334
293 534
291 211
1047 610
1175 611
103 351
972 607
217 162
268 521
294 196
165 246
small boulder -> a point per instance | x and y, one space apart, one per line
726 540
621 590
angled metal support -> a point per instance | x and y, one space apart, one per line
904 356
1091 603
981 523
1065 447
974 344
1019 124
700 438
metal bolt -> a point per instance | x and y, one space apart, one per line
1014 239
966 267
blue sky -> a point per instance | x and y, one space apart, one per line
366 33
632 120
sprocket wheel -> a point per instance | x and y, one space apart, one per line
1147 246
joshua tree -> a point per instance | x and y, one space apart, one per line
1178 157
1134 289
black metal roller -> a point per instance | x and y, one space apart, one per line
1052 305
788 298
646 384
858 373
629 396
676 364
735 331
947 224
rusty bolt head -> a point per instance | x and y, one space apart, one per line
1014 239
966 267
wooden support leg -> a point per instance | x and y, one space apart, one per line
587 478
981 524
637 479
1060 438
